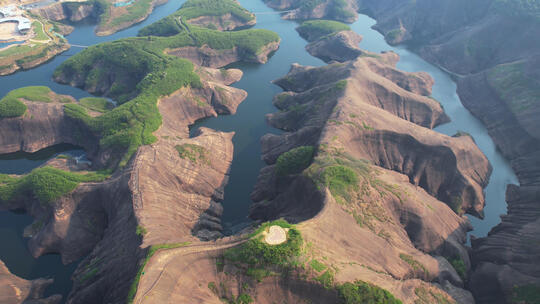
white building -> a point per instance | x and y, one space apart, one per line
8 11
10 14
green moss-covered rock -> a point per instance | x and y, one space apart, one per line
315 29
46 184
295 160
144 73
191 9
12 106
361 292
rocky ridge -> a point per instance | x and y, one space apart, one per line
118 224
98 219
103 11
494 54
340 118
329 108
208 57
73 12
492 51
14 290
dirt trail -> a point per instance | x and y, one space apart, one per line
161 265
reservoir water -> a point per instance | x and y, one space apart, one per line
248 124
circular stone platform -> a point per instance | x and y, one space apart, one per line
276 235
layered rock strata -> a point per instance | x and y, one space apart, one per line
175 183
493 52
369 117
342 10
14 290
208 57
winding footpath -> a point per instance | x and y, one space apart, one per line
168 261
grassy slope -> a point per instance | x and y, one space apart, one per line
134 12
155 74
336 9
192 9
97 104
517 89
257 259
45 184
11 106
315 29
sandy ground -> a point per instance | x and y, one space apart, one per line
8 31
276 235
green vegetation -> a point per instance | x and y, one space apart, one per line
141 231
90 270
174 24
393 35
133 12
361 292
350 181
131 124
295 160
518 8
340 180
151 251
308 5
46 184
459 266
38 29
339 175
96 104
250 41
212 286
258 273
460 133
257 253
518 90
266 225
35 93
144 73
18 49
428 296
339 10
257 258
197 8
317 266
456 204
416 266
529 294
194 153
243 298
11 107
315 29
326 279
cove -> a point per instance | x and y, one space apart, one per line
444 91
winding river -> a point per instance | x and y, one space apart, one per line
248 124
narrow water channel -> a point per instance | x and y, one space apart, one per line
444 90
249 126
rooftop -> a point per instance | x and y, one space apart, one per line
24 23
